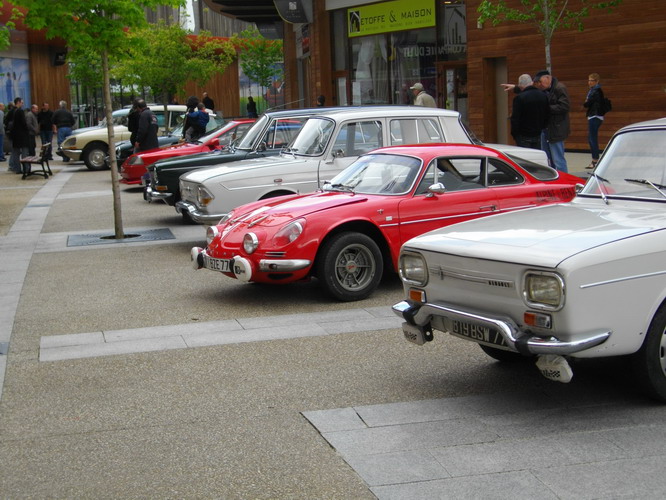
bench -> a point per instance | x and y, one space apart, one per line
42 160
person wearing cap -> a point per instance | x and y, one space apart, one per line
558 129
529 114
421 97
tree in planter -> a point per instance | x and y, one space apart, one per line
259 57
546 15
100 27
164 57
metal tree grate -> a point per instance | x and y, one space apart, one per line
78 240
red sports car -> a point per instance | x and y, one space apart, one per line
135 166
350 231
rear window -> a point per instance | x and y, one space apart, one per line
541 172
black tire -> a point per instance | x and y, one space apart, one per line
350 266
650 360
504 356
94 156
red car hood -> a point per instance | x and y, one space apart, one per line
186 148
275 212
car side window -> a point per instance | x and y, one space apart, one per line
357 138
456 174
415 131
501 174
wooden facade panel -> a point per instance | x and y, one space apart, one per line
626 47
48 83
223 88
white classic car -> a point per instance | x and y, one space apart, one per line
326 145
581 279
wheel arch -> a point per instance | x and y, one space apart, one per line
277 192
364 227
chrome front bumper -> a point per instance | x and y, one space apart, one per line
149 194
73 154
418 328
185 207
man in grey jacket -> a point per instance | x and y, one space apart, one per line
33 128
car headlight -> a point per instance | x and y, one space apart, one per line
544 290
135 160
69 142
289 232
250 243
211 233
204 197
413 269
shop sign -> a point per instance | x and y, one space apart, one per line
385 17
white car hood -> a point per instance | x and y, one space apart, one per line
544 236
203 174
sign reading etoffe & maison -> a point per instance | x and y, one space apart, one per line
390 16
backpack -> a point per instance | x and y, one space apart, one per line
605 106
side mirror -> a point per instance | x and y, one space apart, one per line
261 147
437 188
338 153
215 143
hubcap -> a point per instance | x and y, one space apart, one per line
96 158
355 267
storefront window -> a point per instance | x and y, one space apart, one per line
413 60
451 30
370 70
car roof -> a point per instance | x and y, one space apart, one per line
386 111
365 111
658 123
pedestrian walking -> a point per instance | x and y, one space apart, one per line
251 108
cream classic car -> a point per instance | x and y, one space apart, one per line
91 144
326 145
581 279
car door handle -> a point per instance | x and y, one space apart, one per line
492 208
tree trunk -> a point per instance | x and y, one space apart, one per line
115 185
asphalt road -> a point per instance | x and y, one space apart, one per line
222 421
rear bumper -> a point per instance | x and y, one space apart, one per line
419 320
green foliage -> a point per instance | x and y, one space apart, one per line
5 29
85 68
546 15
164 57
259 57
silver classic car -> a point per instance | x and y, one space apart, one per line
326 145
581 279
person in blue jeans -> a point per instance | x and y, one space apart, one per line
558 129
595 115
63 121
2 132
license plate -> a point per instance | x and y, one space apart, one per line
222 265
477 333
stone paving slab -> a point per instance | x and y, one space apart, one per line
523 444
95 344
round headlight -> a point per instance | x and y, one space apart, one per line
250 243
211 233
413 269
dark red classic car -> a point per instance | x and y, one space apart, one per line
136 165
348 233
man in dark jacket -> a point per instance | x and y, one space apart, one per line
552 141
146 135
20 136
45 119
63 121
529 114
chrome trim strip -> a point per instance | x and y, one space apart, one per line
626 278
283 265
438 271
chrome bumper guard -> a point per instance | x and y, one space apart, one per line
149 194
185 207
418 329
282 265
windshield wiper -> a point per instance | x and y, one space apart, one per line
655 186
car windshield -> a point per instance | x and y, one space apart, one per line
633 165
313 137
250 137
377 174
